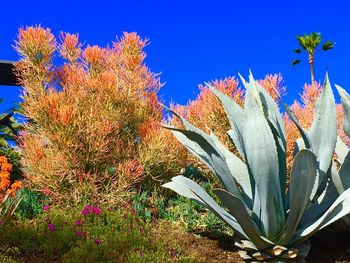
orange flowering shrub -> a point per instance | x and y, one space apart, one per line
6 187
93 121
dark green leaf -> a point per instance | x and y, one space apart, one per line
295 62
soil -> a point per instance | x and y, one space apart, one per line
331 245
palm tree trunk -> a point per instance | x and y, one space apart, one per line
312 67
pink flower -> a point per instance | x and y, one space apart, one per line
51 227
96 210
80 234
86 210
133 211
78 223
47 220
97 241
46 208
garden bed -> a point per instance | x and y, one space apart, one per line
329 246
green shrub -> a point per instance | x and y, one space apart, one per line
31 204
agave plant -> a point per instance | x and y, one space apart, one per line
270 220
341 177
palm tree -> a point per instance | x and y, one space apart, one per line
310 43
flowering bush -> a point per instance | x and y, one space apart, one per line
6 186
8 200
93 122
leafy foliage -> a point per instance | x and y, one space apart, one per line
31 204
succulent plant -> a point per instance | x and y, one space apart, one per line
270 220
341 177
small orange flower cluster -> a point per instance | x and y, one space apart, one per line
5 183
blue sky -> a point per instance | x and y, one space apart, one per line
197 41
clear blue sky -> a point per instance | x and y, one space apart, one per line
197 41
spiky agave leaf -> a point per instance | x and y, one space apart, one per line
341 178
267 228
323 132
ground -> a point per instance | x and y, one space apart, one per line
332 245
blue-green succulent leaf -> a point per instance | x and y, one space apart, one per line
235 116
237 209
303 175
237 168
341 150
323 131
202 146
187 188
303 133
321 204
274 114
338 209
262 159
344 175
345 100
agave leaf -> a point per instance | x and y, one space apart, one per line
338 209
262 158
202 146
274 114
238 169
321 204
235 116
270 107
187 188
345 101
276 124
237 209
342 178
303 175
323 131
336 180
304 135
341 150
281 153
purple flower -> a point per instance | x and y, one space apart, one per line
80 234
51 227
96 210
78 223
47 220
46 208
97 241
86 210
